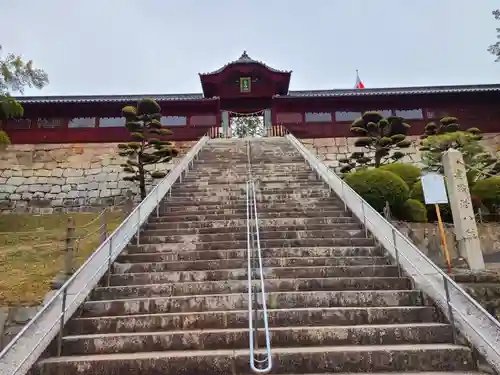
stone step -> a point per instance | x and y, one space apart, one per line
241 274
295 336
188 216
279 208
318 203
238 301
238 242
341 255
261 193
303 178
171 262
264 243
315 316
241 198
256 164
219 224
147 237
243 228
335 359
213 179
241 286
330 252
241 186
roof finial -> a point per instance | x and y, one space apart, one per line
244 55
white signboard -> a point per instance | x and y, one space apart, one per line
434 189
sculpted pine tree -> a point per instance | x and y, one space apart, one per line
381 137
148 146
438 138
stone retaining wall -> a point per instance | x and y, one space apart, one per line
12 320
427 238
65 177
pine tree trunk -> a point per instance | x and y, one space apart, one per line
142 182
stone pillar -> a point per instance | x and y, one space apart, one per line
225 124
464 220
267 121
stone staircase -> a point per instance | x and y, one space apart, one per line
177 303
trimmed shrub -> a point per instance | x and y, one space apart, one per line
488 193
414 211
377 187
408 172
4 139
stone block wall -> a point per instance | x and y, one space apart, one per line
330 150
65 177
427 238
12 320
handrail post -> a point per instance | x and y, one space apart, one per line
70 248
104 225
138 225
157 203
61 321
110 264
396 251
364 217
450 309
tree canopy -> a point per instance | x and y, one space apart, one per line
15 75
494 49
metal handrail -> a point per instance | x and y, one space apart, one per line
253 243
464 313
27 346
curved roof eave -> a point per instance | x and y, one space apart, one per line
245 59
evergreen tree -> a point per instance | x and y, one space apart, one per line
148 146
382 137
15 75
438 138
494 49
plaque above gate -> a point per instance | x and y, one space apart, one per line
247 77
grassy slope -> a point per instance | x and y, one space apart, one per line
30 261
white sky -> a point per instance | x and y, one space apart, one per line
160 46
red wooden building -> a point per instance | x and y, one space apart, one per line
250 86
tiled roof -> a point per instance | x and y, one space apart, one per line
106 98
291 94
393 91
245 59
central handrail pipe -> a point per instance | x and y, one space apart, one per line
253 247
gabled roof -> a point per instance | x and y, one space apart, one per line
106 98
245 59
393 91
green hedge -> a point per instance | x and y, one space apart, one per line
377 187
487 191
408 172
414 211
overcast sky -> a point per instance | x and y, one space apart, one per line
160 46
